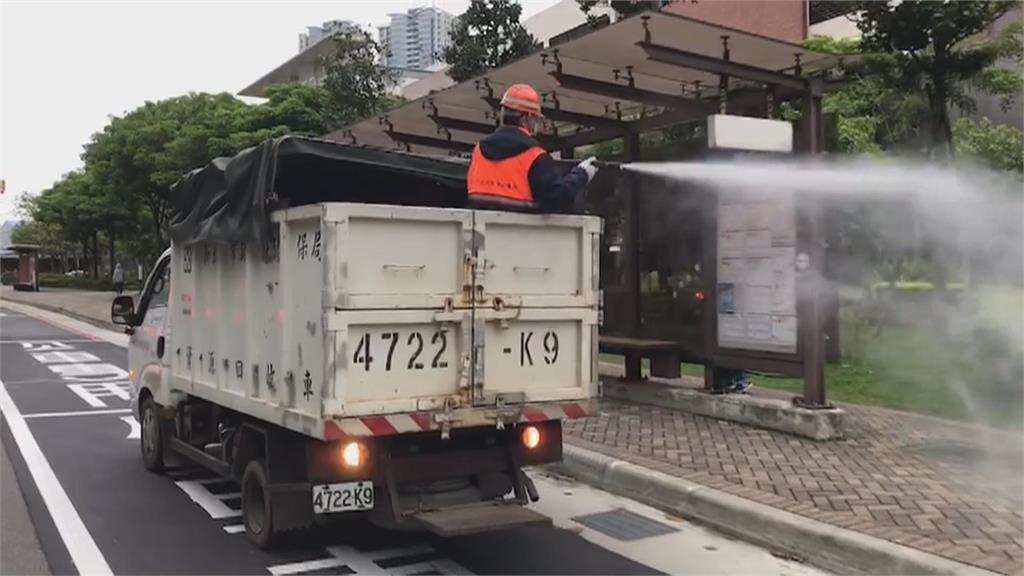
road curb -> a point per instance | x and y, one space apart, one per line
830 547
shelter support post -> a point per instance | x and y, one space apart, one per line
709 268
631 189
833 351
812 339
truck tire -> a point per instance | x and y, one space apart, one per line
150 440
257 512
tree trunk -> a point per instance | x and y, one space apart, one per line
110 249
85 255
942 133
95 254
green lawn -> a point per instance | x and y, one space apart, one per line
920 369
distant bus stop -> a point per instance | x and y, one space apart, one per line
672 255
26 258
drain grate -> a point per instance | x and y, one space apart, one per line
624 525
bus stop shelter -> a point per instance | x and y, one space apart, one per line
651 71
26 276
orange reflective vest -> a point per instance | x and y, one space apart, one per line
503 182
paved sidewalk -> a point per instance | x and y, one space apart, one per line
942 487
90 306
945 488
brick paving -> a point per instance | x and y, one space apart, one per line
946 488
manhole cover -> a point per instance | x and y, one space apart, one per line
624 525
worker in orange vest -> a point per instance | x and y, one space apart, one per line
511 171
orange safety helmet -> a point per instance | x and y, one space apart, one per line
522 98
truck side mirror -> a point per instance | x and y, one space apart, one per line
122 310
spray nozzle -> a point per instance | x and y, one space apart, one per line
602 164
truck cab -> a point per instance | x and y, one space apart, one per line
148 329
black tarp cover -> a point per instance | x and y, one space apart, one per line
230 199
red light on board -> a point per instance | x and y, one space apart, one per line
699 295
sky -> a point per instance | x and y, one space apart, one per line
66 67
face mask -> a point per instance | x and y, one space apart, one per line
533 124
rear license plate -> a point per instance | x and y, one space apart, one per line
342 497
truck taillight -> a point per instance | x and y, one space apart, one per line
352 454
538 442
531 437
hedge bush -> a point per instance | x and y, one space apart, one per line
83 282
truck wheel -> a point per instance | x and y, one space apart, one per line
257 514
150 440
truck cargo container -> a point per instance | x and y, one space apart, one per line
399 362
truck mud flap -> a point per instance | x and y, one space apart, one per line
479 518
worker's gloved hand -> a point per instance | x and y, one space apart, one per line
589 167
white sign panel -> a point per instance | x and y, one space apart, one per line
726 132
756 272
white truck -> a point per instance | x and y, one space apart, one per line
403 363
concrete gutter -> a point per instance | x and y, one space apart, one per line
830 547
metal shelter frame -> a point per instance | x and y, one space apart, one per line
651 71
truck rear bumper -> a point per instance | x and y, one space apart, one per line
483 517
392 424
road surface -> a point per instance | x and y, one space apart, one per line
74 448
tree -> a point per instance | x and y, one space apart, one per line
137 157
624 8
998 147
72 207
935 46
299 108
47 236
488 35
122 193
876 110
356 84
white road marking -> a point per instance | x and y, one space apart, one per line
79 543
134 431
211 503
307 566
76 413
44 346
366 562
89 373
92 393
234 528
64 341
61 356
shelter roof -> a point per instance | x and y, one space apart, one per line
646 72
